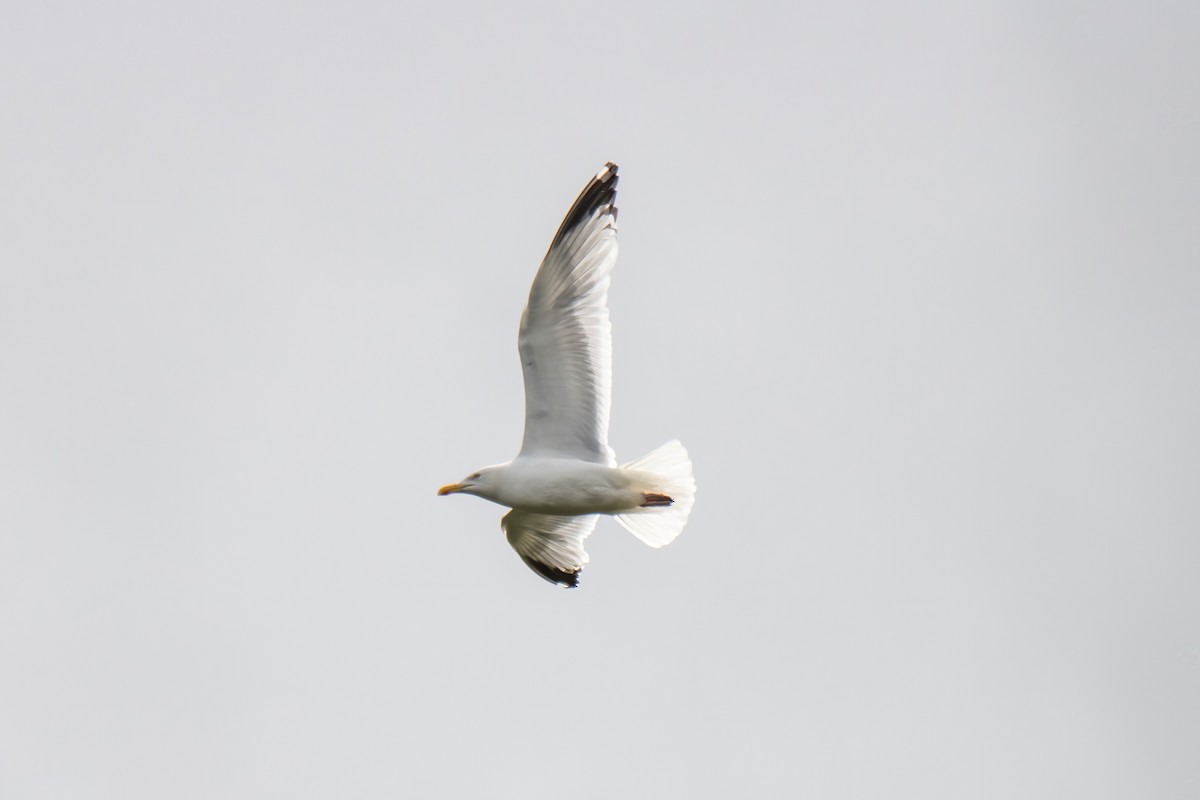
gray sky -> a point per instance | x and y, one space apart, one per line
916 284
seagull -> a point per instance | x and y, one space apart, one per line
566 474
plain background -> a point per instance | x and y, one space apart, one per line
915 283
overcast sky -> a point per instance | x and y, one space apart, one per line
917 284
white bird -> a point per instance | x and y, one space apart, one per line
566 473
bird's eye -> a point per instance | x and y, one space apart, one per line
473 476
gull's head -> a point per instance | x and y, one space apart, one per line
481 482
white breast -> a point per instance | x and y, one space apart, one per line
566 487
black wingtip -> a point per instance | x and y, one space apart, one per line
600 191
559 577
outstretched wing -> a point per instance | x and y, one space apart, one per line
551 546
566 339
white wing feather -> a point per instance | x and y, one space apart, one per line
551 546
566 340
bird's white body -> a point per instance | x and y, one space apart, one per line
567 487
566 473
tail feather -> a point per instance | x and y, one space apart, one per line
669 470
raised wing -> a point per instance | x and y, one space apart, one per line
551 546
566 339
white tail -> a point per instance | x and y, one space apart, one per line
670 471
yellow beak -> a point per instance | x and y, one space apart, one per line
449 488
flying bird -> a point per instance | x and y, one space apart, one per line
566 474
